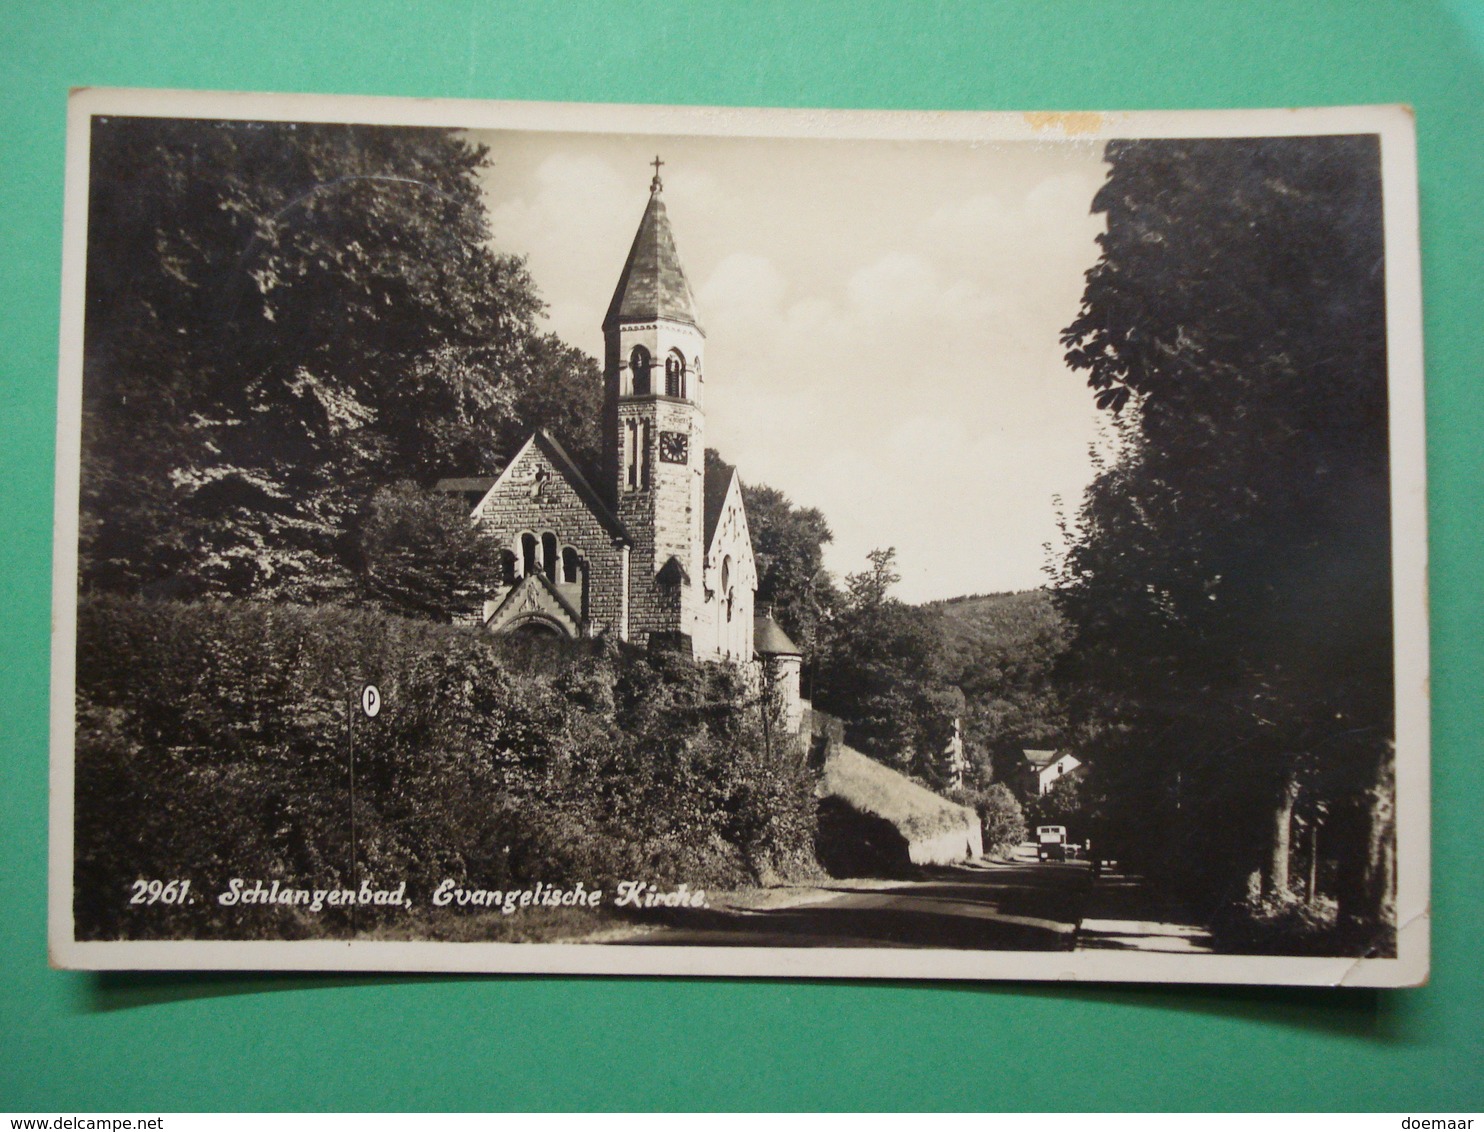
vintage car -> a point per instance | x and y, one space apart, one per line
1051 842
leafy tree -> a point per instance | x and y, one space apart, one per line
1000 816
282 317
885 669
1228 586
788 543
1063 804
870 590
559 388
421 555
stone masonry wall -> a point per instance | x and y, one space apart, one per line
715 635
527 500
665 520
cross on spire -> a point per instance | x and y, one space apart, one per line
655 185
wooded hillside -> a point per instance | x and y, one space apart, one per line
1005 647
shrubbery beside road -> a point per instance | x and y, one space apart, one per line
211 744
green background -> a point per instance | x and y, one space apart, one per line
116 1042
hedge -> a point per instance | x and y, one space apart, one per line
212 744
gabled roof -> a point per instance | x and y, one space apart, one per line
535 596
672 573
718 482
769 639
461 485
653 284
1037 758
564 464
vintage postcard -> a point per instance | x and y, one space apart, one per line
657 540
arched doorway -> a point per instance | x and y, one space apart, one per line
536 625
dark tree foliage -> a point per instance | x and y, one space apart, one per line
280 318
421 555
211 743
885 669
1228 590
1001 819
889 670
1066 803
1005 650
788 544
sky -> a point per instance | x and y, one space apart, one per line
881 319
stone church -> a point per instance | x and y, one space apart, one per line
658 552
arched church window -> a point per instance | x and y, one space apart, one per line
674 374
631 454
571 565
640 364
550 560
726 573
508 572
695 367
528 551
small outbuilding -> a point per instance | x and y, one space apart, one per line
782 661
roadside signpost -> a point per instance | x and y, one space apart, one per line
371 706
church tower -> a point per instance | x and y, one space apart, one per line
654 428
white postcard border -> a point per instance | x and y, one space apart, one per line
1396 127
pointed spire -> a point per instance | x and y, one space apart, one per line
653 284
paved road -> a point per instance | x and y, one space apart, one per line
1019 907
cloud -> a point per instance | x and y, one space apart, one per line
697 187
923 403
744 291
564 223
897 284
574 195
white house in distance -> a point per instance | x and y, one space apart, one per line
1043 769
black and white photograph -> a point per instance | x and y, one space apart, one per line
654 540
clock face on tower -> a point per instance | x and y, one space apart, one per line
674 447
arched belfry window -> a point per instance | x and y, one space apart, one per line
636 436
550 561
640 363
571 565
675 374
528 554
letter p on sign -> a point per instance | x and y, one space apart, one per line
370 700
